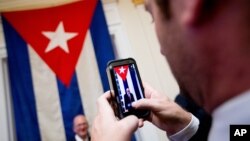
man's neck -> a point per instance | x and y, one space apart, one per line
227 86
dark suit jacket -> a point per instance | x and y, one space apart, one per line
128 101
200 113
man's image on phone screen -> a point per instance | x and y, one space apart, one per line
128 85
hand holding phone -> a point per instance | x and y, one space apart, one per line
126 85
107 127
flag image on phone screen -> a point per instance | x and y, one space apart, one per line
125 82
128 85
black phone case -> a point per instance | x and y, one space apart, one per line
115 100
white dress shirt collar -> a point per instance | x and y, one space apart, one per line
78 138
234 111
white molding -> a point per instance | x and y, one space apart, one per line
111 14
9 103
122 45
2 42
3 105
6 111
3 53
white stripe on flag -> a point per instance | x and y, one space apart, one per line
138 84
122 90
120 81
47 100
130 85
89 79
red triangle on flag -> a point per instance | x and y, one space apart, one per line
122 71
57 34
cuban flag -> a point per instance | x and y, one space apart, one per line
127 78
57 59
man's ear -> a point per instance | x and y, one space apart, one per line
192 12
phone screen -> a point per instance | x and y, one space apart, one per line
127 85
125 82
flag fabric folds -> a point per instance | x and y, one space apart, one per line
57 58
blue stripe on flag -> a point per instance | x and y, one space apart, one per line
133 77
102 43
71 105
125 84
23 97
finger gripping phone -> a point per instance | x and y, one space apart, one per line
126 86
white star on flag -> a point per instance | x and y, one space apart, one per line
58 38
122 70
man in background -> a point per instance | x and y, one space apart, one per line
128 99
81 128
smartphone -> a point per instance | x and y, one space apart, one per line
126 86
